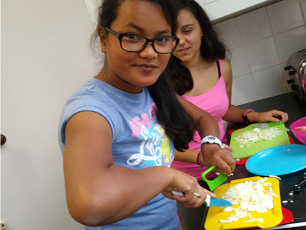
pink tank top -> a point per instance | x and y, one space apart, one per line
216 103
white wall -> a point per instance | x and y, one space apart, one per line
261 43
45 49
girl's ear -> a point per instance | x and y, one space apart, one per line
103 40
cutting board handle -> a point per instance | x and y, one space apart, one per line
212 184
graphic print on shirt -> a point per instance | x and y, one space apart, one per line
157 148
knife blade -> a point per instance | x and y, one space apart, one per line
210 201
266 125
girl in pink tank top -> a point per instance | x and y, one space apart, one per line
217 108
199 73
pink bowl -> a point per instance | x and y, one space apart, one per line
298 133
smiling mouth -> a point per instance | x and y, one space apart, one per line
147 67
183 50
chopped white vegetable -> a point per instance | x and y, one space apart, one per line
255 219
227 209
251 196
251 208
225 221
261 210
256 135
252 220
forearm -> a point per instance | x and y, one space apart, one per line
207 125
234 114
117 194
189 156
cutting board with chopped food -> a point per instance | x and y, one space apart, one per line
218 219
248 141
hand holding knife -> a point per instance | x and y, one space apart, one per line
210 201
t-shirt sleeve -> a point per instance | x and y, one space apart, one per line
81 104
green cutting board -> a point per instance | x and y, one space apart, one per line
244 152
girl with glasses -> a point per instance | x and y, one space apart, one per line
200 74
119 131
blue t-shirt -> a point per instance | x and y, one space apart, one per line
138 141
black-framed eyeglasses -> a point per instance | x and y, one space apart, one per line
133 42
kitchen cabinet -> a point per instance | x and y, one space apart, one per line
220 10
217 10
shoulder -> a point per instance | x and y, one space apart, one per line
226 70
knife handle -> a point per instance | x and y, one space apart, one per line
178 193
207 200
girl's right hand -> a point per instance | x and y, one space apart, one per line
189 185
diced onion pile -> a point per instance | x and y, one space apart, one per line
256 135
251 196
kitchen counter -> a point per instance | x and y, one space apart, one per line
291 104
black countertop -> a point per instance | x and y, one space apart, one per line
290 104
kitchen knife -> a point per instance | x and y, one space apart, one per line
266 125
210 201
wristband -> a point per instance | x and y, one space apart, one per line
198 157
212 140
245 115
199 161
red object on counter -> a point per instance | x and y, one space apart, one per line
244 160
287 218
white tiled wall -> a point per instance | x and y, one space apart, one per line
261 43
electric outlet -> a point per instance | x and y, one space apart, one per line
209 1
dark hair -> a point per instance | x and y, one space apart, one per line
177 122
211 48
107 13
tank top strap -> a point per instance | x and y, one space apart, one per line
219 67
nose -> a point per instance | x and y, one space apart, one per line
181 41
181 37
148 51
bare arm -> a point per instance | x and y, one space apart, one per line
234 113
189 156
98 191
212 154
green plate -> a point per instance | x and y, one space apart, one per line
244 152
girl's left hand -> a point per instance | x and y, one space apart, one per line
272 115
222 158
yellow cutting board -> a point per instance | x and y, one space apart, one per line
271 218
240 152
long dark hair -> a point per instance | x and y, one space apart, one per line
177 122
211 48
